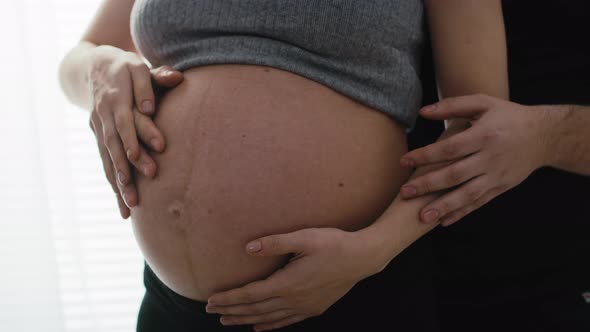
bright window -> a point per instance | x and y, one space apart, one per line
67 260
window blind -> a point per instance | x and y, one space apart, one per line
91 251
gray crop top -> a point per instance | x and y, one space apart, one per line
368 50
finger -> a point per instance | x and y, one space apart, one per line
279 324
123 209
145 163
454 147
119 160
107 163
166 77
125 126
253 292
457 215
142 88
148 133
257 308
129 194
108 166
459 198
444 178
274 245
458 107
256 319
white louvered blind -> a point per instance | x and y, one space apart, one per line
67 260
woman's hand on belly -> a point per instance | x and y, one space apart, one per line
327 263
120 84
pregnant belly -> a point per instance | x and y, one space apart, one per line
254 151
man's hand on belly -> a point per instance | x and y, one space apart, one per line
328 262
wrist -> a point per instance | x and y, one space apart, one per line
379 249
549 119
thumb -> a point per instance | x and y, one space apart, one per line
166 77
275 245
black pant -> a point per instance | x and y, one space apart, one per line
405 287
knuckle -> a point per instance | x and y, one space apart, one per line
425 186
454 175
122 118
138 66
119 125
445 103
471 195
248 296
104 154
271 243
110 138
444 207
450 149
131 57
488 135
257 309
111 95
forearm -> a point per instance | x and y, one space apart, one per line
565 132
73 74
469 48
77 66
399 226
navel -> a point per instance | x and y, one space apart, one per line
176 209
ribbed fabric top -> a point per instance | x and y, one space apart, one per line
365 49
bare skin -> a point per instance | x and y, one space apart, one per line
106 76
253 151
470 56
249 151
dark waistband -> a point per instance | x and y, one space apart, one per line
154 284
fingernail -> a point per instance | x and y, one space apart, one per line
145 168
124 195
407 162
431 216
254 246
409 191
209 309
429 108
121 177
224 320
155 144
147 106
128 153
